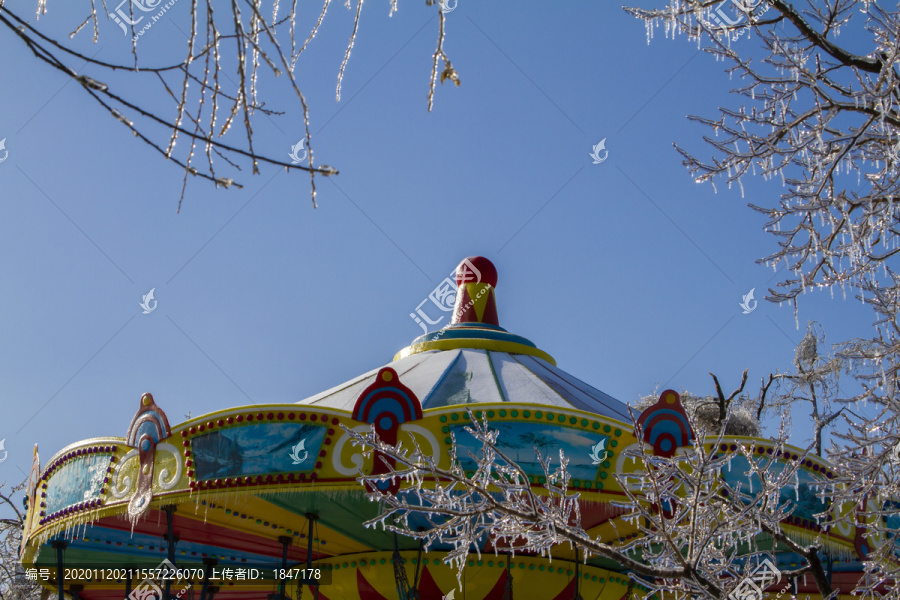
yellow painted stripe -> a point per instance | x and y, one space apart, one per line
493 345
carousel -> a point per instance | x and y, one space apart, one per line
263 501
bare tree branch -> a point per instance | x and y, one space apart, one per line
240 39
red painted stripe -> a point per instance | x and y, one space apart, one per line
365 589
567 593
428 588
312 593
214 536
499 588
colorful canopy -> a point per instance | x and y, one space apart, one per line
233 496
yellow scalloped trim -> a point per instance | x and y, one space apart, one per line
494 345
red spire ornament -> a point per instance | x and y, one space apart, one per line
476 278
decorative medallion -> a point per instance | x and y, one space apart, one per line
148 428
665 425
386 404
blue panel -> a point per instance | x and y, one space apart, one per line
257 449
78 480
803 498
518 442
890 520
150 427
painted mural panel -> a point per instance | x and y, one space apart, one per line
257 449
802 494
586 451
76 481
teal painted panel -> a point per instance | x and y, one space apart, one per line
79 480
519 440
257 449
802 494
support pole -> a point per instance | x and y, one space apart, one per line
170 539
128 587
208 563
414 589
311 518
60 573
399 572
507 592
285 544
577 577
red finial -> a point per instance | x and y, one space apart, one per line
476 269
476 278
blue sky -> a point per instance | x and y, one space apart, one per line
627 272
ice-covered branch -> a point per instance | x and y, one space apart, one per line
699 534
816 115
232 53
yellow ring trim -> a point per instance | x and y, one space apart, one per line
494 345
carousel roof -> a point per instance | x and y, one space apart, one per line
275 486
442 378
474 360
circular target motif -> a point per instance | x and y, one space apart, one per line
386 404
665 425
